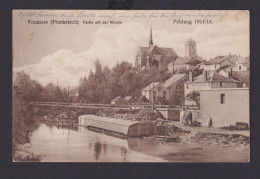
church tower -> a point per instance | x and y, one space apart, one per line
151 38
190 48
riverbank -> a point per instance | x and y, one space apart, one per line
176 132
82 145
172 131
24 153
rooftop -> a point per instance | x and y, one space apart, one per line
163 50
117 98
212 76
122 122
150 86
224 89
173 79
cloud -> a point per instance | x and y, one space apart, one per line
63 65
112 44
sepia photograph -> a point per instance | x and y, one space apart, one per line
131 86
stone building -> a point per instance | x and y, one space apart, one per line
190 48
153 56
217 63
159 91
165 90
208 80
186 63
226 106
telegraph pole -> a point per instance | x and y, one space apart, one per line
153 90
68 93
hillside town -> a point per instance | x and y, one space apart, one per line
164 96
208 89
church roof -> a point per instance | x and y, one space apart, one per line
168 51
144 50
162 51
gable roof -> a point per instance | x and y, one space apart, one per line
168 51
117 98
187 60
216 60
173 79
182 60
243 76
127 98
143 51
154 49
239 59
234 65
212 76
162 50
195 60
150 86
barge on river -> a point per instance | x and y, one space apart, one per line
131 128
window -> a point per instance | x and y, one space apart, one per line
222 98
159 89
239 67
221 84
187 86
164 94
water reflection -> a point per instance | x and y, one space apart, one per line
97 150
77 144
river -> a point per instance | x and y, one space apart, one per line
78 144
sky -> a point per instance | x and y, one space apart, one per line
67 52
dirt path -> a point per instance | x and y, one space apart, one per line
209 130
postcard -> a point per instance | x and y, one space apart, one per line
131 86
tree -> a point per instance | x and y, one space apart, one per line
194 96
22 123
177 96
31 89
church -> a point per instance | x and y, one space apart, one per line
154 56
189 62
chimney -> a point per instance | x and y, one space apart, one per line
190 76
